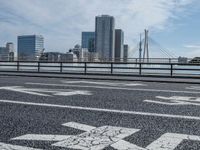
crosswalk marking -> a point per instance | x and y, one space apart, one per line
79 126
4 146
40 137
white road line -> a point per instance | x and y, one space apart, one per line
41 137
39 92
79 126
22 90
175 100
4 146
105 83
170 141
193 88
123 145
115 88
103 110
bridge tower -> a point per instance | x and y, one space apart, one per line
146 46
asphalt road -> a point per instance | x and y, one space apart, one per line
59 114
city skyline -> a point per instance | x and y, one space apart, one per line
171 23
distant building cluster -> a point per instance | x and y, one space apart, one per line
104 44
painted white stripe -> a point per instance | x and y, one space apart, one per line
170 104
4 146
41 137
79 126
105 83
170 141
123 145
22 90
176 100
193 88
116 88
102 110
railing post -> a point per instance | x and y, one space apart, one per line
61 67
85 66
111 67
140 68
17 65
38 66
171 70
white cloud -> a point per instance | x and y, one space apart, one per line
192 46
61 21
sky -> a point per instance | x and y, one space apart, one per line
173 24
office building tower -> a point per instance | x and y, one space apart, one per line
88 41
7 53
105 37
30 47
119 45
126 51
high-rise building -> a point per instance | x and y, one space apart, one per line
119 45
7 53
105 37
88 41
30 47
126 49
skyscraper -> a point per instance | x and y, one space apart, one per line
126 49
88 41
119 45
30 47
105 37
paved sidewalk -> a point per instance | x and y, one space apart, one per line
106 77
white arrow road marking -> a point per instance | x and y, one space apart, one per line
105 83
42 137
114 88
175 100
102 110
79 126
4 146
97 139
39 92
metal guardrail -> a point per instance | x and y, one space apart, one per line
108 68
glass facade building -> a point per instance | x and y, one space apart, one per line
88 41
105 37
30 47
